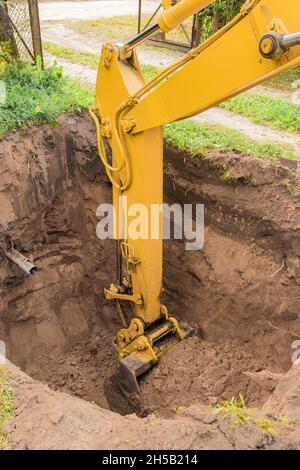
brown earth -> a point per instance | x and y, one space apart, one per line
241 292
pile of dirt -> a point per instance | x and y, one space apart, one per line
200 371
80 371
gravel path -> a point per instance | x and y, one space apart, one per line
88 10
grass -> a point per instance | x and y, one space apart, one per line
34 96
239 414
6 407
236 410
76 57
286 80
279 114
197 138
89 59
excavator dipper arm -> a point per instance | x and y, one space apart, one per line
262 41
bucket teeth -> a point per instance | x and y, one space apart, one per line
122 389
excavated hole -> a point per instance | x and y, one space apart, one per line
59 329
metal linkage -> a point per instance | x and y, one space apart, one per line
273 45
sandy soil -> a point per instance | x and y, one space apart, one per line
50 420
241 293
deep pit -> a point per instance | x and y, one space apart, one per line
241 292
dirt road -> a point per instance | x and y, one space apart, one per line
87 10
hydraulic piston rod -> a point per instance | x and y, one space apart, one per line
290 40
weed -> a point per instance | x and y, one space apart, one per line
290 189
5 56
6 407
239 414
235 410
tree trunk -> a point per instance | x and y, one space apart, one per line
6 29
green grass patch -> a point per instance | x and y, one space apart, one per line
285 81
196 138
279 114
6 407
34 96
76 57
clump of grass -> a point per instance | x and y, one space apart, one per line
290 189
277 113
6 407
236 410
231 178
239 414
35 96
196 138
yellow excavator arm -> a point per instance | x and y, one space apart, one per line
262 41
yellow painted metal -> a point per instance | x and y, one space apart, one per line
114 85
176 14
129 114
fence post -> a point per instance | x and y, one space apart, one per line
139 16
35 28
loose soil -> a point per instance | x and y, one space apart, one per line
240 292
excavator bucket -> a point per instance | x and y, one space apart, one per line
122 389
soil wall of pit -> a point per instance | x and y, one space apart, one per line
241 291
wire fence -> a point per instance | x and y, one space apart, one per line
20 22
